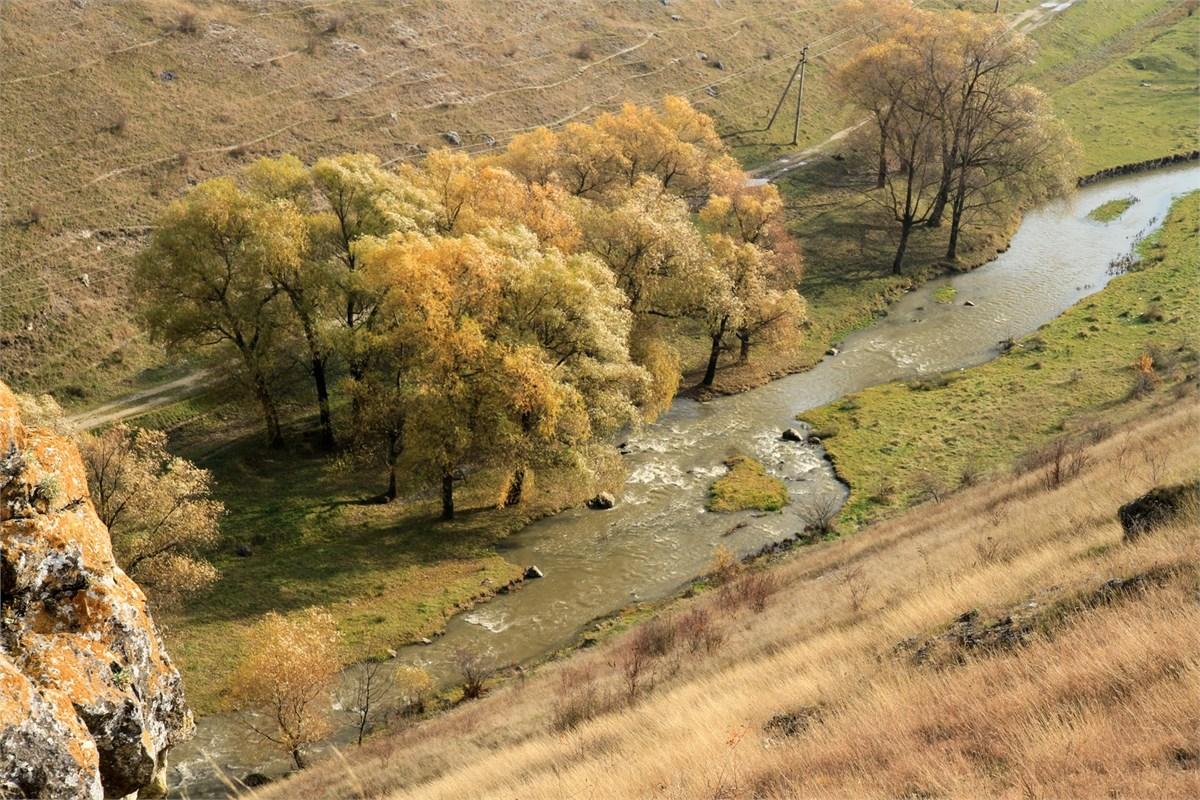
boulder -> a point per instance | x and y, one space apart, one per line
91 702
602 502
452 138
969 304
791 435
533 573
1158 507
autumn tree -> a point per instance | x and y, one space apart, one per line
158 509
287 674
359 200
955 128
206 280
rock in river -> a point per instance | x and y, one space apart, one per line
602 502
791 435
533 572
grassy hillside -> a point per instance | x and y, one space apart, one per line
1007 643
113 109
903 436
1123 75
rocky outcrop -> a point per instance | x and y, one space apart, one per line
1157 507
89 701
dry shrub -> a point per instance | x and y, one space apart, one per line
696 628
187 21
989 549
928 485
583 52
970 474
858 587
752 590
724 565
1145 378
1060 460
821 513
334 24
475 671
117 124
578 697
656 638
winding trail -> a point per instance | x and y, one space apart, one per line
143 400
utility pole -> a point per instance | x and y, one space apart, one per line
783 96
799 96
997 10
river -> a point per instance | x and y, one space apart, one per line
659 536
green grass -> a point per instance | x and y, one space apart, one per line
746 486
945 294
389 574
1123 76
1079 364
1113 209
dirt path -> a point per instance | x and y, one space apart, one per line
1025 22
143 400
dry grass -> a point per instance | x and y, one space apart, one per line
1102 700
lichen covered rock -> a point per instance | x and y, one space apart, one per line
89 701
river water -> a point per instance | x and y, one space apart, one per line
659 536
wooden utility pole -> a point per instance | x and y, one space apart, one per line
783 96
799 96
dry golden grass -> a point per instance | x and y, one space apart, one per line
1103 700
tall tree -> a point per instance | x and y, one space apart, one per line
284 186
206 279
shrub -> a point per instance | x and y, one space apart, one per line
1145 378
577 699
821 513
752 590
970 473
1153 313
1060 460
697 630
655 638
475 673
583 52
858 586
723 565
928 485
187 21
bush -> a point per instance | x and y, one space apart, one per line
475 673
1060 460
928 485
187 21
1145 378
577 699
752 590
697 630
655 638
583 52
821 513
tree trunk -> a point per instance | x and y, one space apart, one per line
393 456
270 413
710 373
328 441
943 194
956 215
881 175
515 487
905 229
298 758
448 495
744 350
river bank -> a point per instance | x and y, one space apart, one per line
659 537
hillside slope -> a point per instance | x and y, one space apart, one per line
113 109
1004 643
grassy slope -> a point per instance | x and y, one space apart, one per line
1099 703
990 414
1094 59
98 142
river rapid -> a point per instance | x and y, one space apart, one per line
659 537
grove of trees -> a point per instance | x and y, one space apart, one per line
955 130
505 310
